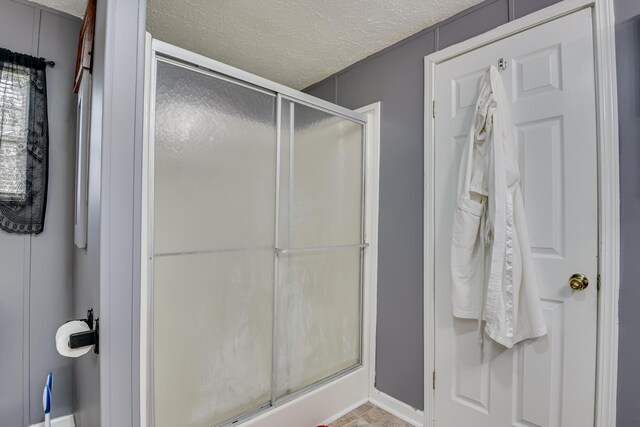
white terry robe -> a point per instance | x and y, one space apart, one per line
492 272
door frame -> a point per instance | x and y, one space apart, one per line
608 194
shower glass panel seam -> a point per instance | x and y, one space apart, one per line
150 242
274 347
213 251
291 165
363 236
320 248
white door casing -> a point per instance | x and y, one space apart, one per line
549 381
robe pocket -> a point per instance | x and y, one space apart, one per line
466 223
466 259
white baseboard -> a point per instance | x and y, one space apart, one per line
395 407
66 421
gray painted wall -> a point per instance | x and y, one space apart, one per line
628 59
36 281
394 76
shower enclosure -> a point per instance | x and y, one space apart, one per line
256 242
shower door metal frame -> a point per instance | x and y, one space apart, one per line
166 50
160 51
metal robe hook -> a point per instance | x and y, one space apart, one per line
502 64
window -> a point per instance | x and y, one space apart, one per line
24 143
14 116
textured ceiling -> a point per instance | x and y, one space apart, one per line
294 42
72 7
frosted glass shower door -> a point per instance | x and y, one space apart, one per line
320 241
213 248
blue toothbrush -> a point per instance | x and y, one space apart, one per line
46 400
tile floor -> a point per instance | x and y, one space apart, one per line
369 415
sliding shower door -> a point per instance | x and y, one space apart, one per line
256 247
214 214
320 242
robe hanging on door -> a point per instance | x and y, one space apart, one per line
492 272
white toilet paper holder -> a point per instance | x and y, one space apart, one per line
92 337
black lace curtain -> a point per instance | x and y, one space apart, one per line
24 143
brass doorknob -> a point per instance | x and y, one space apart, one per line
579 282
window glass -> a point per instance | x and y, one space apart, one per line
14 119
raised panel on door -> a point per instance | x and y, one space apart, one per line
537 72
541 146
537 398
548 381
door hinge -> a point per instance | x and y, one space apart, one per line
433 381
598 281
433 109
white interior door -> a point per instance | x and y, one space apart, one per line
548 381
